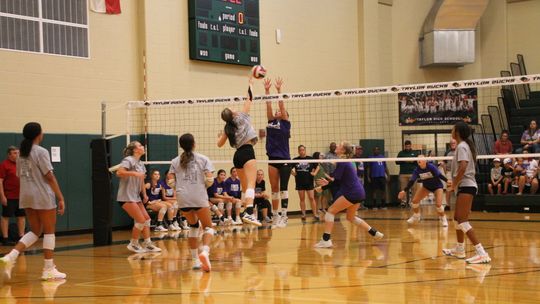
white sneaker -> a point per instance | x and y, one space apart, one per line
229 221
282 222
150 247
479 259
196 264
8 266
458 253
324 244
378 235
443 221
414 219
250 219
52 274
275 220
135 248
160 228
237 222
205 261
184 225
267 220
174 226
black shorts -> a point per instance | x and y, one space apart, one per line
432 189
467 190
188 209
242 155
280 165
12 209
353 201
378 183
304 186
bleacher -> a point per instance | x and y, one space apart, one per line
517 106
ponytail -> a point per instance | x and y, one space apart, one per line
30 131
230 126
187 143
128 151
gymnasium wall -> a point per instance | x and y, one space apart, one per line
326 44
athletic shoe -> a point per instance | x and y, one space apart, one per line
414 219
150 247
282 222
8 266
250 219
275 220
52 274
135 248
479 259
458 253
378 235
228 221
324 244
316 219
303 218
184 225
196 264
205 261
237 222
160 228
214 224
443 221
267 220
174 226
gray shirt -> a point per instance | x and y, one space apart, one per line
463 153
35 193
190 182
130 187
329 168
244 130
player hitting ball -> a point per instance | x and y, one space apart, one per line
241 135
430 177
349 196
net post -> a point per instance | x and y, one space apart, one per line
128 123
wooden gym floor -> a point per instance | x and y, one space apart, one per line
280 266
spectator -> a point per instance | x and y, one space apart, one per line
261 198
448 170
323 197
531 169
360 167
508 174
503 145
519 175
378 176
304 173
530 139
330 167
9 195
406 169
496 177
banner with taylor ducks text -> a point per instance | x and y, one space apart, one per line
443 107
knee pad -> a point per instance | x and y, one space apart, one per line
220 205
250 193
329 217
214 208
194 226
357 220
29 239
162 211
284 194
147 223
415 205
193 232
49 241
275 196
229 205
139 226
209 230
465 226
440 209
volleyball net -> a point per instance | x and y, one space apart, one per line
383 116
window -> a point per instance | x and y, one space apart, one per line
57 27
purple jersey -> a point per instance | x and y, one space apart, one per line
349 184
216 187
169 192
154 193
232 187
430 177
377 169
278 133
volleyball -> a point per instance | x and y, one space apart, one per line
258 71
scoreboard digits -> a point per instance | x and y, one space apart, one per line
224 31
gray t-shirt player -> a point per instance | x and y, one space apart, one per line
190 182
463 153
129 189
35 191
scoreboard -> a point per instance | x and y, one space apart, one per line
225 31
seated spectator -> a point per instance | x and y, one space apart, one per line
503 145
217 199
153 190
508 174
519 176
261 198
496 177
531 170
530 139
